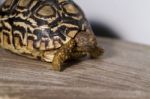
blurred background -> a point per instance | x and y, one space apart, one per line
124 19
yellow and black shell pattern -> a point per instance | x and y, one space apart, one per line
31 27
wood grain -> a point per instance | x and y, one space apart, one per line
123 72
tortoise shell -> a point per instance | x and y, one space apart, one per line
38 28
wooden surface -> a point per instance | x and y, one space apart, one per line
123 72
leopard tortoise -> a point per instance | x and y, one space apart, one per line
50 30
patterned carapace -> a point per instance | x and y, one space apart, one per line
43 22
35 27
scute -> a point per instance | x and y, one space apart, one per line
37 26
45 11
23 3
8 2
60 1
70 8
7 5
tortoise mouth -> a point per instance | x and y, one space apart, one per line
92 52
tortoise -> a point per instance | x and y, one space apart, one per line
53 31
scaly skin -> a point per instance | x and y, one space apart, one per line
63 54
71 51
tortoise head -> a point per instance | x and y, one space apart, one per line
86 42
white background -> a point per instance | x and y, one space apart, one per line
129 18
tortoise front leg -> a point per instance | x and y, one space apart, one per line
63 54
